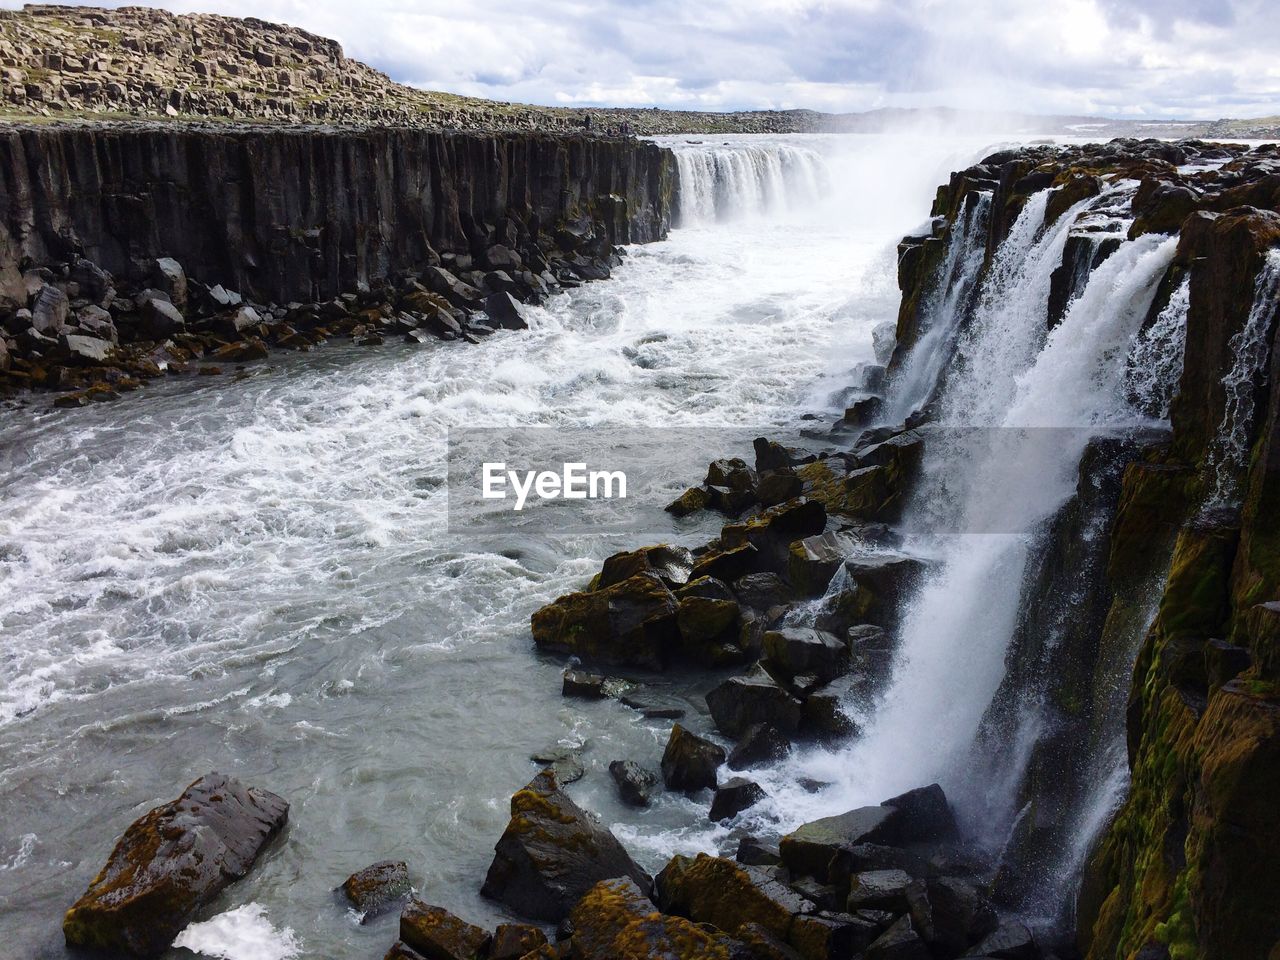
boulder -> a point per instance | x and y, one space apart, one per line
760 745
804 650
742 701
499 257
880 890
755 853
813 561
690 762
880 587
924 815
617 921
505 311
160 318
691 501
167 275
771 455
823 713
511 941
171 862
376 888
706 625
436 934
809 849
444 283
763 591
94 282
49 310
728 895
778 486
958 915
670 563
832 936
97 322
636 785
552 853
734 796
630 623
236 323
87 350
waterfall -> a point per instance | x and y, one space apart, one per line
730 181
1155 362
1250 347
1019 405
944 310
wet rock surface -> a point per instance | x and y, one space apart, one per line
173 861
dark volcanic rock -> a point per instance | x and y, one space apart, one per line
740 702
553 852
173 861
511 941
505 311
690 762
617 921
761 744
377 887
636 785
631 623
809 849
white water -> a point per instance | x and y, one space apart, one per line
734 178
1250 346
1155 362
243 933
1038 398
255 575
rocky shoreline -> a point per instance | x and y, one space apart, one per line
123 258
1175 875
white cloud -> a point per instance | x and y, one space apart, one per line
1154 58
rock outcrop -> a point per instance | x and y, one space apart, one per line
171 862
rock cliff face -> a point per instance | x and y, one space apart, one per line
304 214
1187 866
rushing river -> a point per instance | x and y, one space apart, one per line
254 575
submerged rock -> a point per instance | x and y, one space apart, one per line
172 861
552 852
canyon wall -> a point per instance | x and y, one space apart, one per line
303 214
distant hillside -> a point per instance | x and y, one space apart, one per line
61 62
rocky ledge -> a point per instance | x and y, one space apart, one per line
132 251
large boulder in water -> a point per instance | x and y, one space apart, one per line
690 762
437 934
631 623
552 853
171 862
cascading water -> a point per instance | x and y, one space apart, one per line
1155 362
1250 347
731 181
942 314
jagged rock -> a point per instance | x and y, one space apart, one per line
831 936
804 650
778 486
636 785
880 587
760 744
734 796
728 895
565 762
762 590
823 715
552 852
437 934
814 560
808 850
171 862
924 815
376 888
167 275
505 311
740 702
160 318
630 623
49 310
958 915
691 501
690 762
771 455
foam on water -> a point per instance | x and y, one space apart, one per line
243 933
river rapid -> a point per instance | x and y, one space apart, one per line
255 574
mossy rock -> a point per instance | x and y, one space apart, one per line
437 934
631 623
671 563
727 895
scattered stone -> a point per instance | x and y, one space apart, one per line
173 861
565 762
583 685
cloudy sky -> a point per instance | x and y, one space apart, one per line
1132 58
